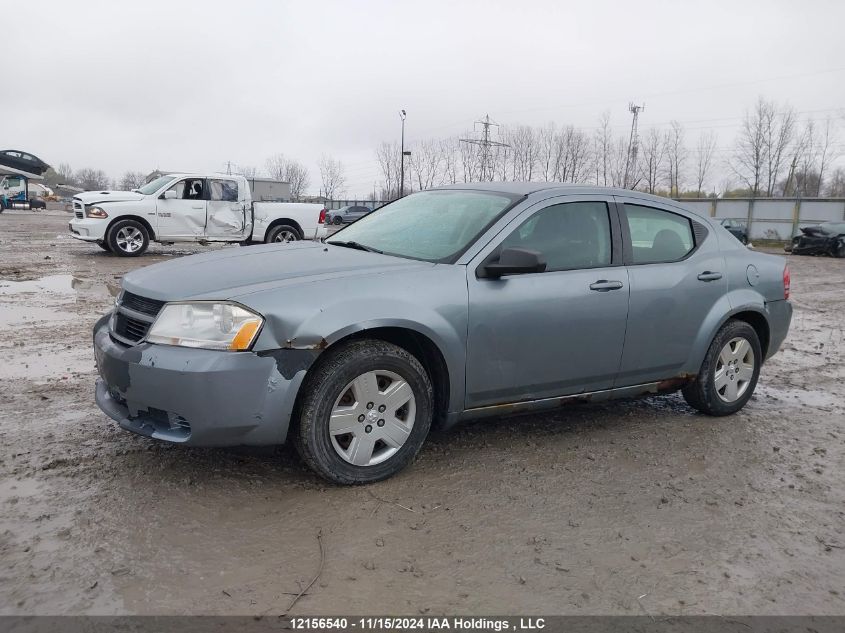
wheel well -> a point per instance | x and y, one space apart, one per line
760 325
422 348
280 221
138 219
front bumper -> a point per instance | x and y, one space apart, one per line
192 396
88 230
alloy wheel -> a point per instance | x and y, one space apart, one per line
372 418
734 370
129 239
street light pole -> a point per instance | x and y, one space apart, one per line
402 159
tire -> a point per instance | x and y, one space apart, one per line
128 238
104 245
332 386
839 249
744 240
732 344
337 220
282 233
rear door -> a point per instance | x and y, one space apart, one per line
184 215
227 209
677 275
559 332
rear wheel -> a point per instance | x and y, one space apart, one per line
128 238
729 372
337 220
283 233
366 410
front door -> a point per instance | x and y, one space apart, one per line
677 275
559 332
182 216
227 210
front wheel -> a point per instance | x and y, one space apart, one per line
128 238
729 372
366 411
282 233
104 245
337 221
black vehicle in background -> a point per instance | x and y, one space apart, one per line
347 214
737 229
827 238
16 159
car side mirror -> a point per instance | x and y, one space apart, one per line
515 261
170 194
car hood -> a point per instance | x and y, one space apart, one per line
236 272
94 197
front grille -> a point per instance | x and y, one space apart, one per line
144 305
134 316
130 329
79 214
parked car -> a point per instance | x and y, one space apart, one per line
827 238
446 305
189 208
347 214
736 228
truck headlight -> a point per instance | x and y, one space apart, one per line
95 212
207 325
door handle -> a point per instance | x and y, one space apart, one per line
197 206
603 285
709 276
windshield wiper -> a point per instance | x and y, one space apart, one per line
357 246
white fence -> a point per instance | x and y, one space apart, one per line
771 218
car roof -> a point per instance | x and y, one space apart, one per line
562 188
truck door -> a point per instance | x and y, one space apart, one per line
227 210
181 209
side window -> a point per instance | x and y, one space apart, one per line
658 236
224 190
570 236
179 188
193 189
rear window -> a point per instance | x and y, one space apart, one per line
657 235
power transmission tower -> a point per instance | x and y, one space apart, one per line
630 179
485 144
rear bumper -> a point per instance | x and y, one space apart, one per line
192 396
779 318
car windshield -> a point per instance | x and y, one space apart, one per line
435 226
155 185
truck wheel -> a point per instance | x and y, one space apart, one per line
104 245
128 238
729 372
366 411
282 233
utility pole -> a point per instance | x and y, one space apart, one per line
485 144
402 157
630 178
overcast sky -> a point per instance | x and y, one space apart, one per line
191 85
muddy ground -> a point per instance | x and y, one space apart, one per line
625 508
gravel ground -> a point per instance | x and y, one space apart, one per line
623 508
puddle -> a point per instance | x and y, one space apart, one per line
57 284
30 315
803 397
55 365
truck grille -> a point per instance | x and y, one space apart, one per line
133 317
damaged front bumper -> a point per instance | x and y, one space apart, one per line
191 396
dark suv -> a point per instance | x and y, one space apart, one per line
347 214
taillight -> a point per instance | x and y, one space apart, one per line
322 219
786 282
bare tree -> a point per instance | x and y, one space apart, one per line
426 162
704 158
290 171
92 179
827 142
333 176
66 174
602 147
676 155
573 156
247 171
388 156
132 180
836 184
778 133
451 159
653 155
762 146
525 151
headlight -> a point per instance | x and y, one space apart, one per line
95 212
207 325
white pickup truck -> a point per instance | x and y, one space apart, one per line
189 208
